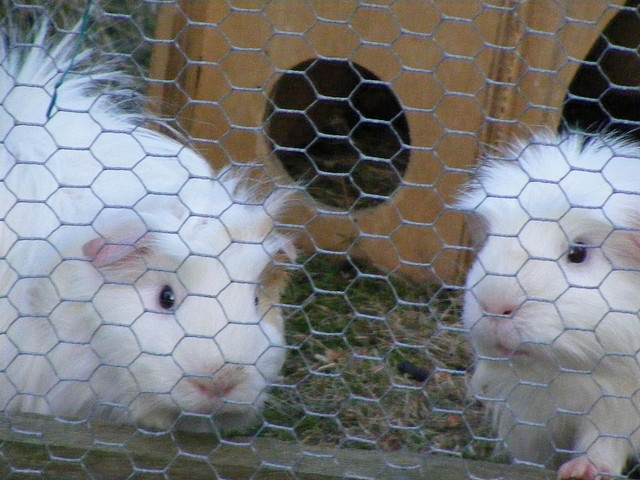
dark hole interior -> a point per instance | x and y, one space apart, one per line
340 131
605 92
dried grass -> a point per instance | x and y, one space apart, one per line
347 332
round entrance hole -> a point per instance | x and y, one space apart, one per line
340 131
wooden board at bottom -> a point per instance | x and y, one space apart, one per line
61 449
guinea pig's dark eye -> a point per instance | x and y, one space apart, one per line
577 253
256 301
167 298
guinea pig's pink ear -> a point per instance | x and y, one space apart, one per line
112 252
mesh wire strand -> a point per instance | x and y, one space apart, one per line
374 361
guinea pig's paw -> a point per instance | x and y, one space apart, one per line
582 468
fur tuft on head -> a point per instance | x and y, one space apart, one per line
44 73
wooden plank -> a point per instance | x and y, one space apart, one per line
66 449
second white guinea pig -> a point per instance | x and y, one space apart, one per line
552 300
134 286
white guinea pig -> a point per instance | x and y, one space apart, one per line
552 300
134 286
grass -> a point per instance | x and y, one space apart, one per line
347 331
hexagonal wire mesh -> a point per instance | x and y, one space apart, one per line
138 292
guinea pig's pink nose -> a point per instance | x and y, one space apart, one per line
498 309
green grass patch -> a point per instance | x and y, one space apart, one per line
347 331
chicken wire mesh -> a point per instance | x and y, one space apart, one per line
369 116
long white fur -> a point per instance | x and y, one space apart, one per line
97 213
558 343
